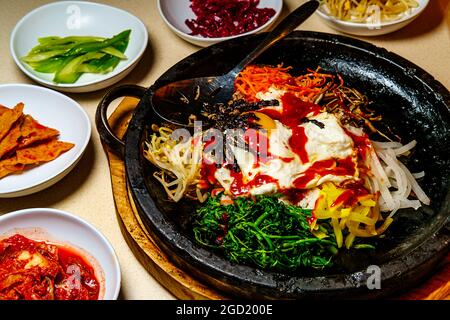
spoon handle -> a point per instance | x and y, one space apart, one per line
286 26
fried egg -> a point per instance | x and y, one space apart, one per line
327 141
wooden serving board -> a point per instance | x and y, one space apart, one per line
158 264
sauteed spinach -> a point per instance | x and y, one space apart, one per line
264 232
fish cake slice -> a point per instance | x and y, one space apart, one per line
33 155
32 131
10 166
8 118
3 109
42 152
11 140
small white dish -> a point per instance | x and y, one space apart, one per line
175 12
80 18
370 29
62 228
55 110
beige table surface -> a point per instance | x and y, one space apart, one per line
86 191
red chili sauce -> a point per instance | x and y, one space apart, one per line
292 115
351 195
337 167
239 187
31 270
362 143
294 111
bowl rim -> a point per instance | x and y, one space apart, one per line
278 9
333 19
88 226
129 63
70 164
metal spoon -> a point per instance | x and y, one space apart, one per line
177 101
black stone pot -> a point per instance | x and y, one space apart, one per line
414 106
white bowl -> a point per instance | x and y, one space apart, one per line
175 12
364 29
62 228
54 110
80 18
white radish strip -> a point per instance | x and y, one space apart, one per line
378 168
386 202
395 209
415 186
418 175
406 148
400 176
386 145
383 206
375 186
407 191
389 172
386 196
415 204
393 183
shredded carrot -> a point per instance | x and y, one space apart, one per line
314 86
308 87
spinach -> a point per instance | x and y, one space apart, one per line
263 232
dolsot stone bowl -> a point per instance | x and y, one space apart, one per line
413 104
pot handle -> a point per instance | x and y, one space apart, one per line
101 119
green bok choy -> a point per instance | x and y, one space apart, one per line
69 57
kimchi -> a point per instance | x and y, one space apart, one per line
31 270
